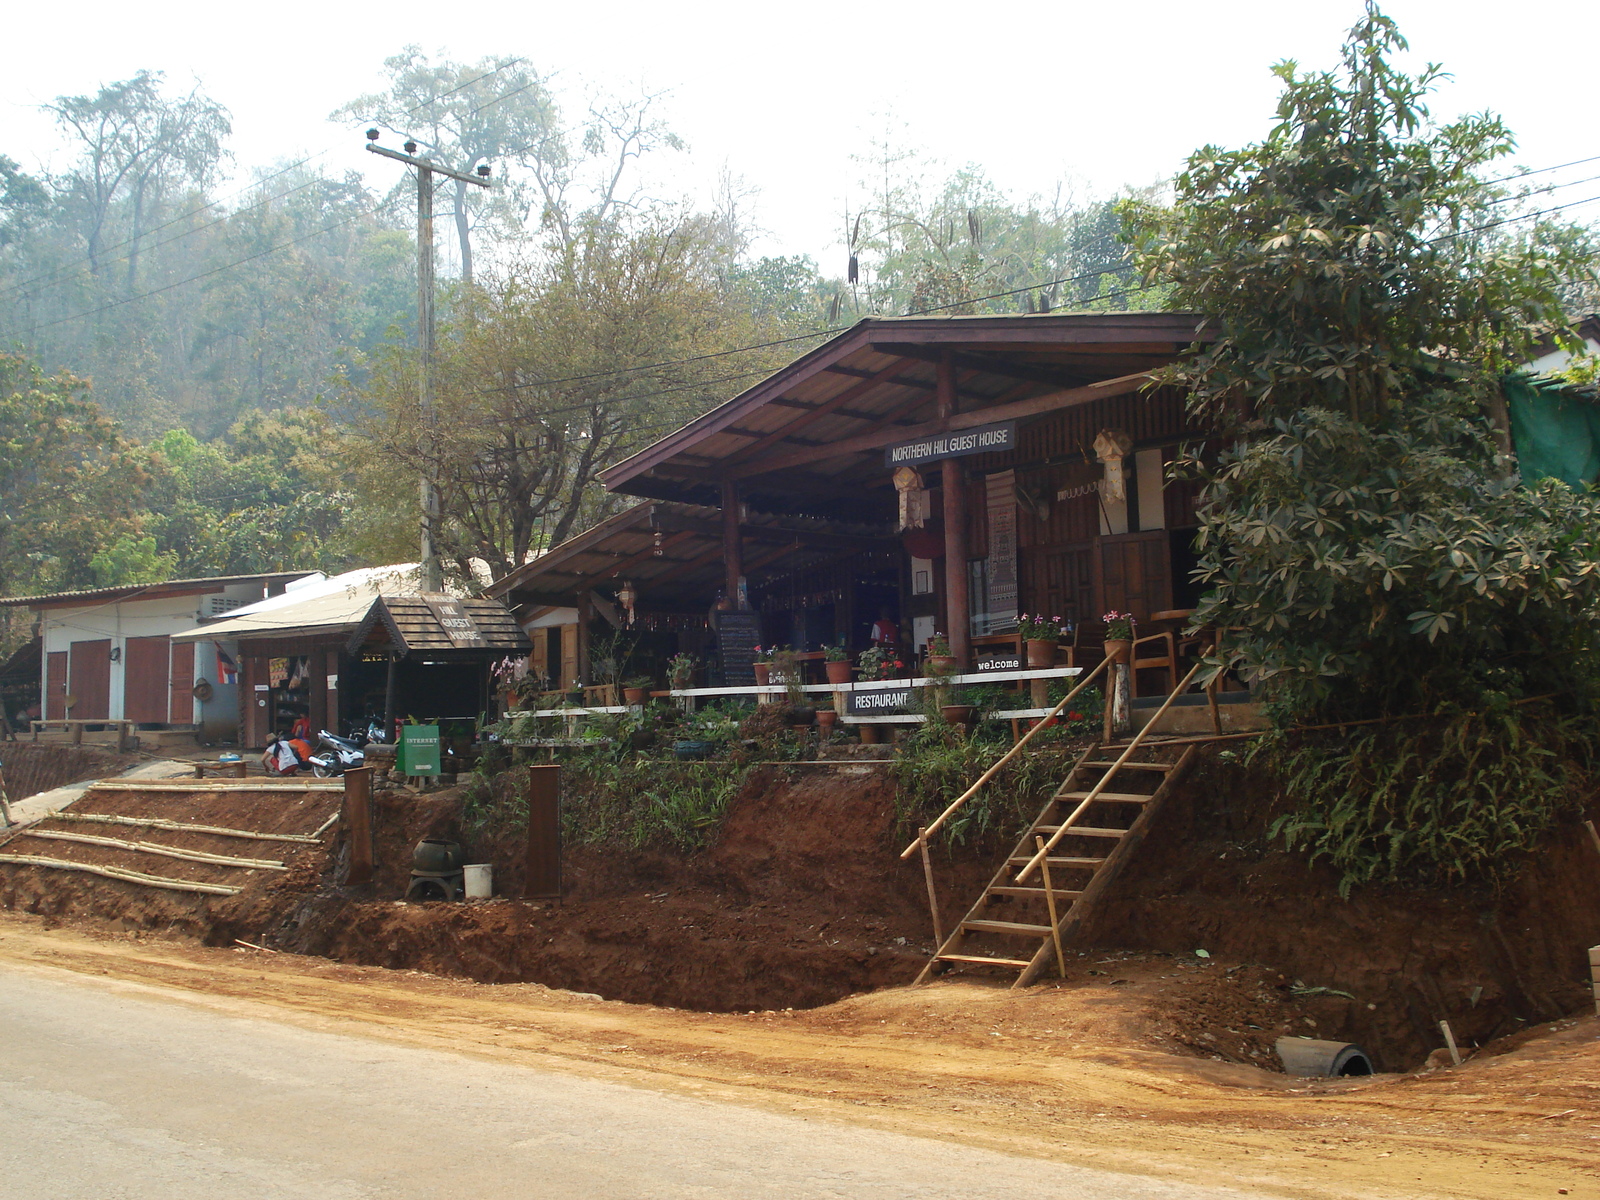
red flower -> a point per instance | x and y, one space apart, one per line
1074 716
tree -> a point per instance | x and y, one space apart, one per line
1363 539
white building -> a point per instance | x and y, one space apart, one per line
108 653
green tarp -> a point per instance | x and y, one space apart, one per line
1555 434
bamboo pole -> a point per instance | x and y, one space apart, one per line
5 807
156 881
933 896
972 791
1094 792
199 856
181 827
1050 903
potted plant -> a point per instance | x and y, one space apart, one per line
763 665
634 690
836 661
1119 635
1041 635
786 669
940 660
957 714
680 671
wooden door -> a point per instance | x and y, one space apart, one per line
55 685
1135 573
252 704
569 655
89 679
180 692
1060 583
145 678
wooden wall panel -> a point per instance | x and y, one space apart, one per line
55 685
180 689
89 679
145 680
1135 573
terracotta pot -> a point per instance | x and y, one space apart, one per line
942 662
869 734
763 673
1118 649
633 696
1041 653
826 719
838 672
957 714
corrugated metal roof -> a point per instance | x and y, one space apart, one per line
133 590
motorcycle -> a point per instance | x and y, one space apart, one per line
336 755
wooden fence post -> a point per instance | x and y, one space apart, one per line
543 868
358 824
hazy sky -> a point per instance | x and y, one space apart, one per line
785 95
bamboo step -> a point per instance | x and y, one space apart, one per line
1019 859
1083 831
979 958
1017 927
1108 797
1133 766
1018 890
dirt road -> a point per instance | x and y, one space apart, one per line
1049 1074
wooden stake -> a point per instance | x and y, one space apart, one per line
927 875
358 824
5 808
1594 976
1450 1041
1593 836
1050 902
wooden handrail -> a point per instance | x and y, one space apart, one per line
1003 760
1094 792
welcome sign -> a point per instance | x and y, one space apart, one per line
985 439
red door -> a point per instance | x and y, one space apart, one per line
182 686
89 676
144 679
55 685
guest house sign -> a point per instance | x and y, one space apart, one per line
984 439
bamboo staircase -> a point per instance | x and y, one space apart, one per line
1064 864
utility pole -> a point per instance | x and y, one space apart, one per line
432 572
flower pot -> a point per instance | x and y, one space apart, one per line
633 696
838 672
802 715
943 663
763 673
869 734
1041 653
826 719
1118 649
692 750
957 714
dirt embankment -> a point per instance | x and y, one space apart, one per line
31 768
802 900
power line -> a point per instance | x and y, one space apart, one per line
1577 162
49 275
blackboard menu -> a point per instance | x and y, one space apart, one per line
738 635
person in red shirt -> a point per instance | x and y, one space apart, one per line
884 631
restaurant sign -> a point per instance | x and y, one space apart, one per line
878 702
984 439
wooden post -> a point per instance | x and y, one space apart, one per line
1594 976
389 686
542 871
732 543
1050 903
358 824
5 807
958 622
933 898
1593 836
1450 1041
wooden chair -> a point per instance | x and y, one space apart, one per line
1161 654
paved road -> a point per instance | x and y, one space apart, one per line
113 1096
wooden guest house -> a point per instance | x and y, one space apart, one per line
944 473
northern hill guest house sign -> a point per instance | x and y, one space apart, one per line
983 439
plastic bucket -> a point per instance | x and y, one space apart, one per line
479 880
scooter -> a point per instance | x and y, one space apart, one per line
335 755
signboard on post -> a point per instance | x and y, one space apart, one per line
888 701
738 635
984 439
453 619
419 750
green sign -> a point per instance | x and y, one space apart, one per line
419 750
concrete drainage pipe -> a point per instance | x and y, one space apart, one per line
1310 1056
